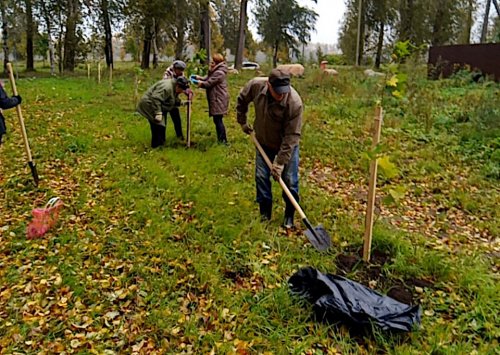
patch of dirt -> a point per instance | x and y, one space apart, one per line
347 262
238 274
367 273
401 294
420 283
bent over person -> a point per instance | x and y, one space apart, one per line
6 102
159 98
278 126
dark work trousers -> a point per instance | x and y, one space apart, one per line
176 119
157 134
220 128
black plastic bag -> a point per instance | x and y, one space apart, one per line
337 299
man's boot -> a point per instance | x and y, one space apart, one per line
266 209
289 213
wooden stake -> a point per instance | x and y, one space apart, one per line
188 128
88 71
99 72
371 190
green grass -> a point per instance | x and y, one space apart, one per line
162 251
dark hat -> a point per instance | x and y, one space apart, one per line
182 82
179 64
280 80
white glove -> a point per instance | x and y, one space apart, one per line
158 117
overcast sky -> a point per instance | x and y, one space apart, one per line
327 27
330 14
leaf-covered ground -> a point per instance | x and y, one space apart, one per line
162 251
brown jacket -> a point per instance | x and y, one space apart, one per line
277 125
217 95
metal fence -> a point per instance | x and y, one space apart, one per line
446 60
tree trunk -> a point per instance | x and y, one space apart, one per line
205 30
155 44
108 35
380 45
484 31
4 39
146 51
465 37
180 25
48 23
29 36
275 54
238 61
70 40
59 43
437 38
406 11
362 37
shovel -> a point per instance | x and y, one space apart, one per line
31 164
318 236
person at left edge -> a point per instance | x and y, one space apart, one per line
175 71
163 96
6 102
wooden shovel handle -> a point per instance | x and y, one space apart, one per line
282 183
19 113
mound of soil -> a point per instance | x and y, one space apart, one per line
367 273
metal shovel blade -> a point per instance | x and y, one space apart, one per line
33 172
318 236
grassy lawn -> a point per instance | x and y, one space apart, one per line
162 251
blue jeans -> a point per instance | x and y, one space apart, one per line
290 176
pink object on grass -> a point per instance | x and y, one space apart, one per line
44 218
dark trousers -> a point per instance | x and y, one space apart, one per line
157 134
176 119
220 128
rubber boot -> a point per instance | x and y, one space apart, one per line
289 213
266 209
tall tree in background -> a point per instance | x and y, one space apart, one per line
206 42
227 12
242 31
178 27
147 17
445 17
5 45
108 35
284 23
71 38
47 10
468 21
348 38
29 35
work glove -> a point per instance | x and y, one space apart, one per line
193 76
194 81
245 127
158 117
189 94
19 99
276 171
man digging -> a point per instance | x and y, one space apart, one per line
277 125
